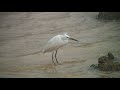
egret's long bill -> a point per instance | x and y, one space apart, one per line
73 39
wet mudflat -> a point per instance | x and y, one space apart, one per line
24 34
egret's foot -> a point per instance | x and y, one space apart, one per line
54 64
59 63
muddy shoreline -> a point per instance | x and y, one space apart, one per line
23 35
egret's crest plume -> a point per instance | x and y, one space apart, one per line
65 33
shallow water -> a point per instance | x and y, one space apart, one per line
23 35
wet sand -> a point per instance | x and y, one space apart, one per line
24 34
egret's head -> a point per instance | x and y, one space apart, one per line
65 35
68 37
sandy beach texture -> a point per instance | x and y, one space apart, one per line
24 34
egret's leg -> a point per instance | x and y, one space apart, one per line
52 58
56 57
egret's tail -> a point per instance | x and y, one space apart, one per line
43 51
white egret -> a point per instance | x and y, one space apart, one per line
55 43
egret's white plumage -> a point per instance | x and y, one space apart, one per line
55 43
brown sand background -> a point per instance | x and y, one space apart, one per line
24 34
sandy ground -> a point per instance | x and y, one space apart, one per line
24 34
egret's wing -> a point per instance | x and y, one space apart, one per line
52 44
